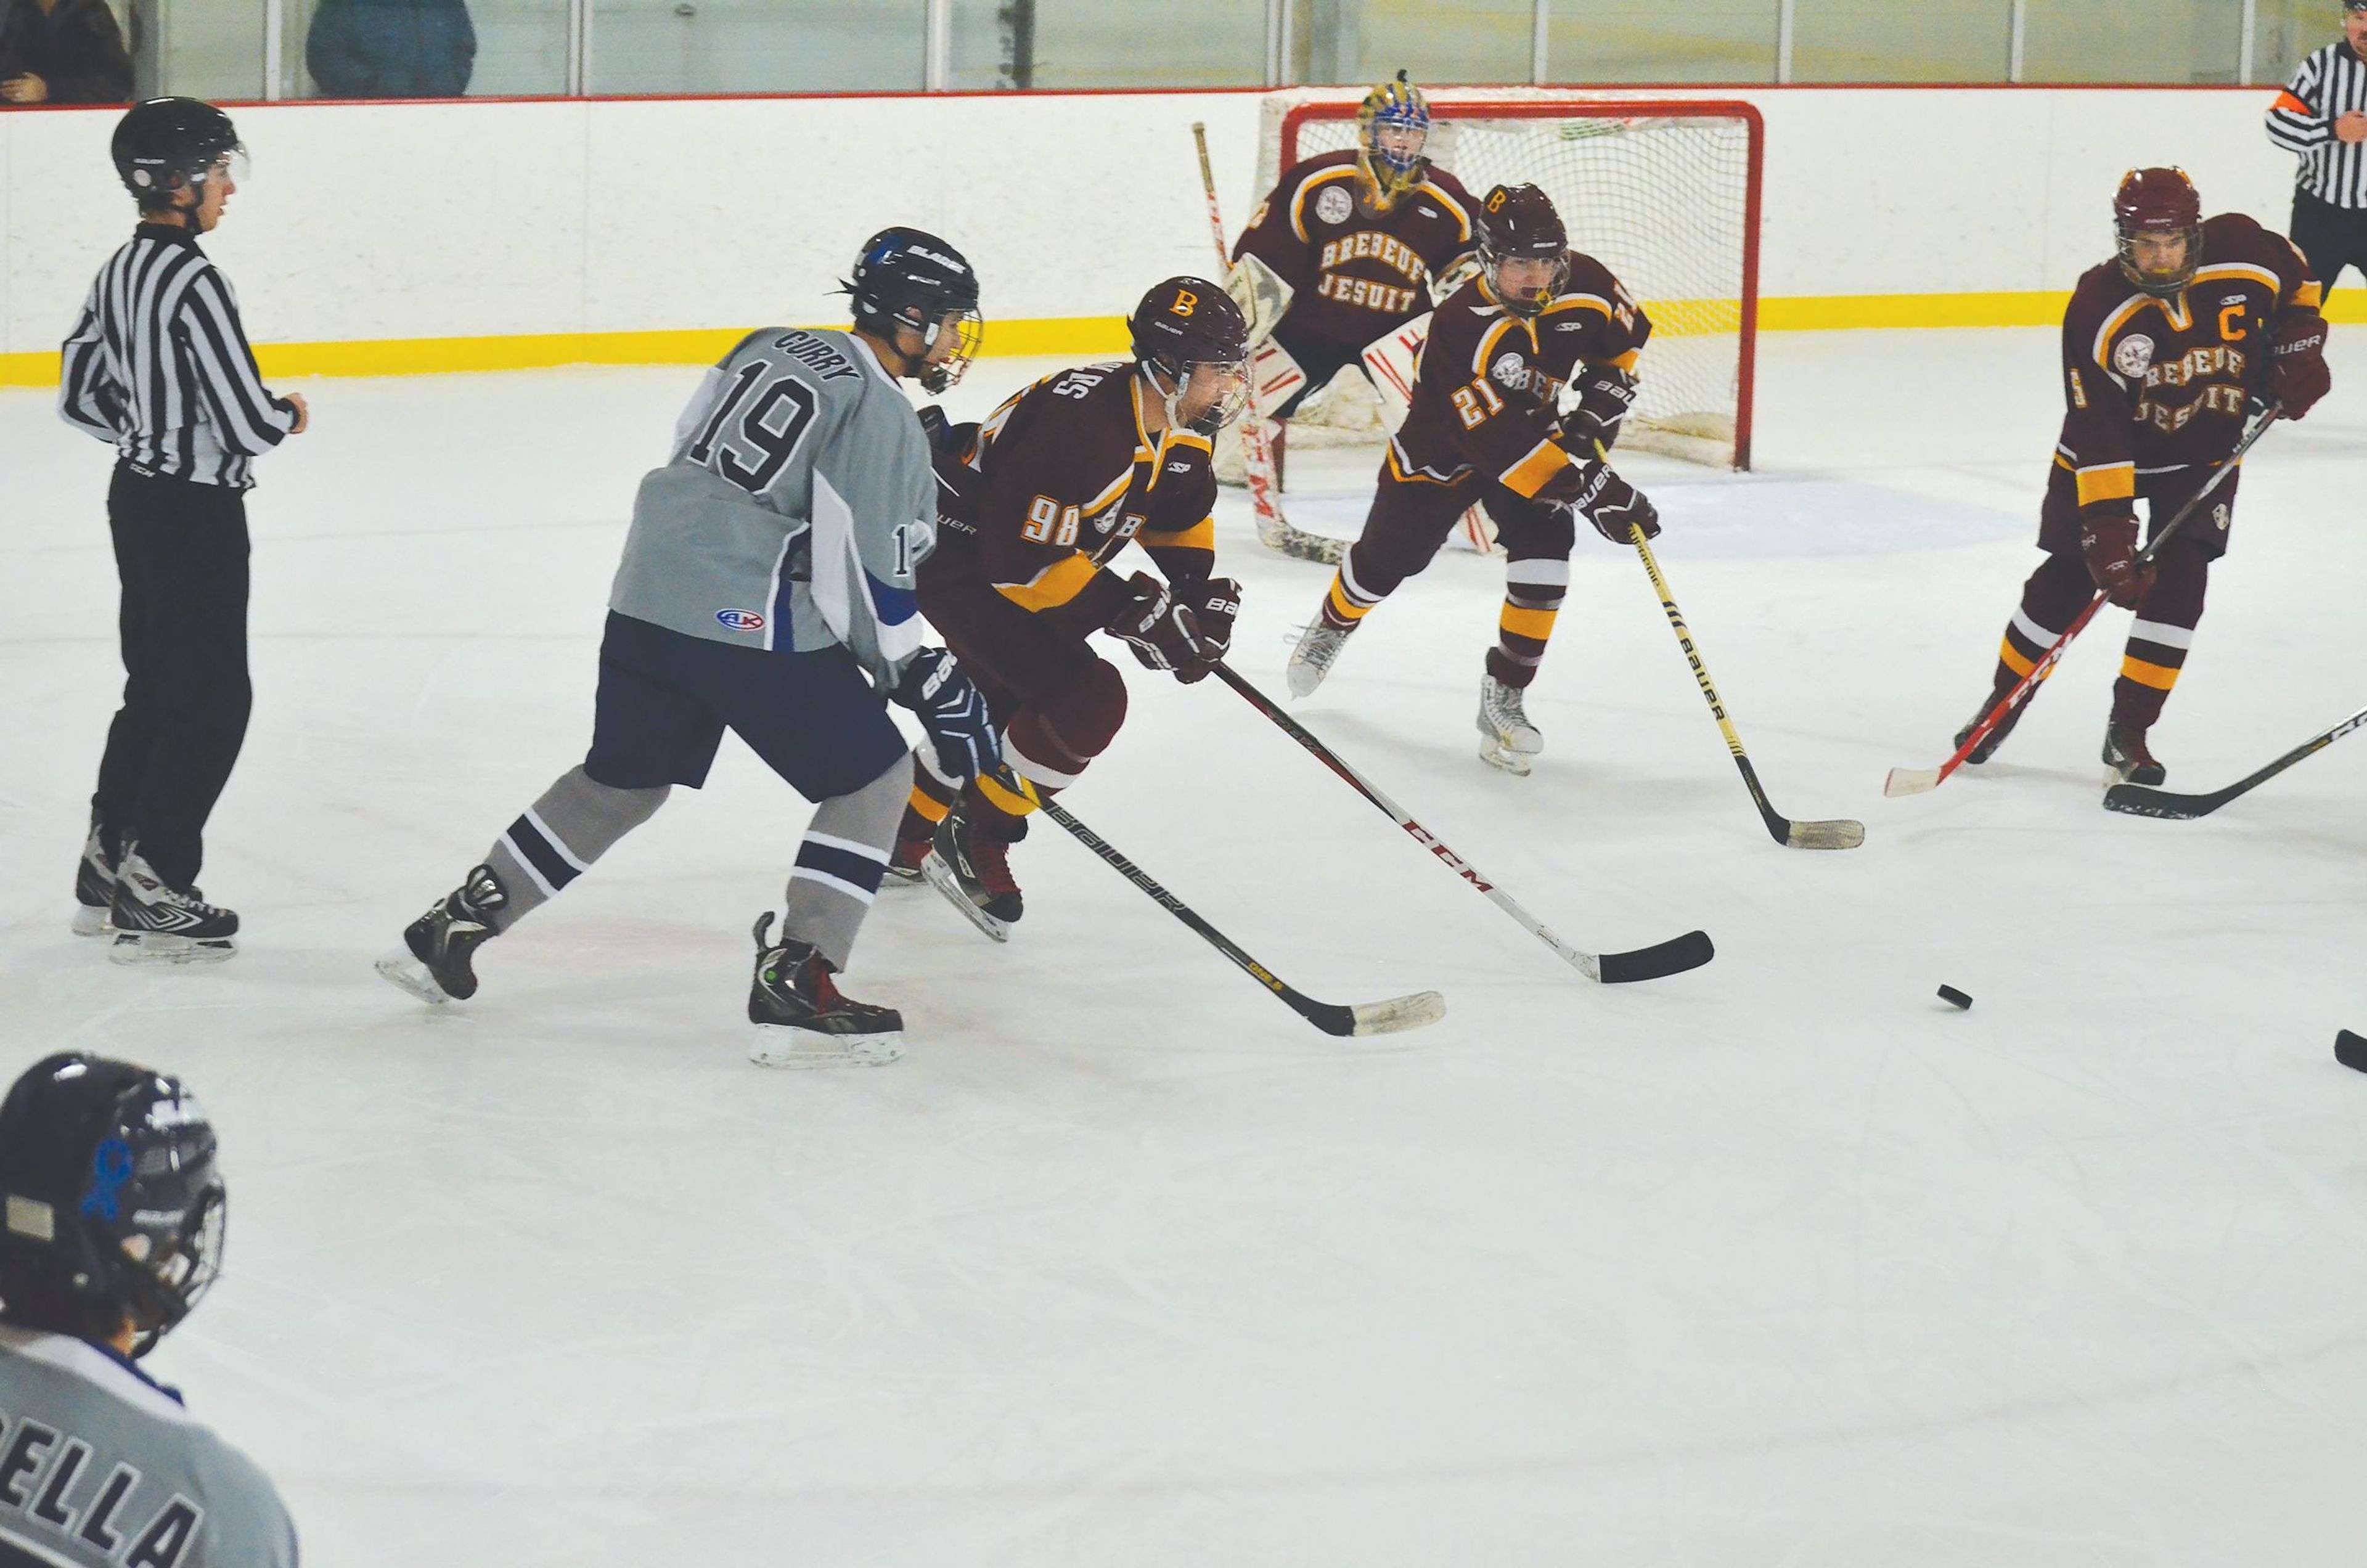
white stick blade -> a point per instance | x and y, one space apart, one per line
1398 1013
1911 781
1838 834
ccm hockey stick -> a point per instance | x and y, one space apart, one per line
2138 800
1275 530
1674 956
1840 833
1920 780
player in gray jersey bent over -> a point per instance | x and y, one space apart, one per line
767 588
112 1230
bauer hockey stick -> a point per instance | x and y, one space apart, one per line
1839 833
1674 956
2138 800
1274 531
1921 781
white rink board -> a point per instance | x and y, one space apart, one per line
498 219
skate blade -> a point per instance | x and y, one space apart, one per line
941 876
161 947
413 976
1505 759
93 920
782 1047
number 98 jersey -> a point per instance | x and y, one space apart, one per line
795 511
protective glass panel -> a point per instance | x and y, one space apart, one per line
2134 40
424 48
1107 43
1356 43
758 46
1886 40
1649 40
2286 32
202 48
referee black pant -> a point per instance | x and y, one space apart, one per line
181 551
2329 237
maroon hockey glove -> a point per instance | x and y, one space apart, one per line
1611 504
2110 544
1163 634
1605 393
1214 604
2297 374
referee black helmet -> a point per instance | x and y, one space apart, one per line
170 144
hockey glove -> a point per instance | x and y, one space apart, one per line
2297 374
940 693
1605 393
1613 505
1214 604
1163 634
2108 542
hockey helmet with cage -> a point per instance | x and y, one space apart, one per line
909 277
1392 115
113 1207
1519 223
2161 203
1181 324
167 145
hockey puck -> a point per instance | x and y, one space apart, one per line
1957 998
2351 1050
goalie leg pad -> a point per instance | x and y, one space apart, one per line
1390 360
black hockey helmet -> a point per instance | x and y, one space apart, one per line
910 277
113 1208
167 145
1518 222
1186 322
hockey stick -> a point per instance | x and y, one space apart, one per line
1840 833
2138 800
1275 530
1391 1017
1920 780
1674 956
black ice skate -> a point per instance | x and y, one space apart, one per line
434 967
154 922
973 872
802 1021
94 888
2126 760
1995 738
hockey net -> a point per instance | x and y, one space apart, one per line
1665 193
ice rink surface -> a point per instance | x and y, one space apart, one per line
1779 1262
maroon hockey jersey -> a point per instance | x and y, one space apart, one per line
1357 275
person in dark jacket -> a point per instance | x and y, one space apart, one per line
391 48
63 51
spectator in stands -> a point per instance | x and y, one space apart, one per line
63 51
391 48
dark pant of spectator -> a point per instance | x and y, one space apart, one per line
2329 237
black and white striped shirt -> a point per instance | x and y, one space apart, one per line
2331 82
158 365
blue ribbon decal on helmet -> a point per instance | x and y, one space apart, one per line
110 1168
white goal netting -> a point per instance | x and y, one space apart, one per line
1662 193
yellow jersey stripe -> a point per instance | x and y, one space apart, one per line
1201 535
1536 470
2108 481
1052 587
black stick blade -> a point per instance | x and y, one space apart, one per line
1674 956
2138 800
2351 1050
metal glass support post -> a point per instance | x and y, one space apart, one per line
579 48
275 22
937 48
2244 56
2020 38
1786 18
1540 33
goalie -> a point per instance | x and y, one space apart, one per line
1344 255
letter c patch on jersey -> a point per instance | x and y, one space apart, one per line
1185 303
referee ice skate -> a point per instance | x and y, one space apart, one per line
2322 116
158 367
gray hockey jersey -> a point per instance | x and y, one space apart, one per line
101 1468
796 508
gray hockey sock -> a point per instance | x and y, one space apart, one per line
840 865
559 835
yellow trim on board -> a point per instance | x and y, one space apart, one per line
1052 336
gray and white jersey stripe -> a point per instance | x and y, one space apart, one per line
2330 84
158 365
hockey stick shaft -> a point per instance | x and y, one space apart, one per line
1906 781
2140 801
1687 951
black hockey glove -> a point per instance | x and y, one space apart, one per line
1605 393
939 691
1163 634
1215 603
1613 505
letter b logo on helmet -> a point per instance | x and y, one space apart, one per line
1186 302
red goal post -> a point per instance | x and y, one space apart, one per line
1664 191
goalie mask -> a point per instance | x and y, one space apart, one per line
911 278
1193 347
2153 209
1523 249
1392 129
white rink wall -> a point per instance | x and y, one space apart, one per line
495 220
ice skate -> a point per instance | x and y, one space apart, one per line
94 888
154 922
973 872
2127 760
1507 738
802 1021
1995 738
438 947
1318 645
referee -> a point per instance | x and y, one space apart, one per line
2322 116
158 367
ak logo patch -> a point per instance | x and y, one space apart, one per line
2134 358
740 620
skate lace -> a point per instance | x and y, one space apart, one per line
990 862
1322 645
1503 705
